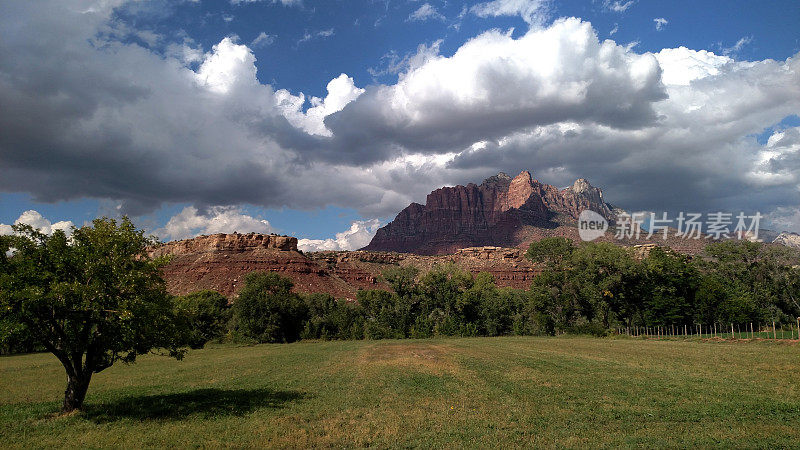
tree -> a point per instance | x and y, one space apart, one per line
402 279
267 310
91 300
206 314
551 251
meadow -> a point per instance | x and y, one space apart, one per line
484 392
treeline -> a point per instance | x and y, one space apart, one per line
589 288
733 282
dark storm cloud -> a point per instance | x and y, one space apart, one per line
88 113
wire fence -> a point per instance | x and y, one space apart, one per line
751 330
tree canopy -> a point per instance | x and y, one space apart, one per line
91 299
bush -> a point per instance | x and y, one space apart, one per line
207 313
267 310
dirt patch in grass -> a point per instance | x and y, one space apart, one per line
428 358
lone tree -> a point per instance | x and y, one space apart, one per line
91 300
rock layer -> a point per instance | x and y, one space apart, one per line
221 262
229 242
493 213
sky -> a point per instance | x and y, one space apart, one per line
323 119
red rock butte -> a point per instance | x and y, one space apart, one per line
221 261
501 211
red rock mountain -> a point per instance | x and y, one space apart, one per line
221 261
501 211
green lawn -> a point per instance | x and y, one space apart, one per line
484 392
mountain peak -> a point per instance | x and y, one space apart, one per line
788 239
580 186
500 180
523 176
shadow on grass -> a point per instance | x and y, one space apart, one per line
203 403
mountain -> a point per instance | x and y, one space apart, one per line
788 239
500 211
221 261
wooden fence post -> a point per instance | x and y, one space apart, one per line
774 335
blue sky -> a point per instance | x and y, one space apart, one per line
124 86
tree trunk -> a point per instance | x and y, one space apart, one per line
75 392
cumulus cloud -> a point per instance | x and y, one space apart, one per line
680 66
38 222
425 12
359 235
190 222
495 84
660 23
341 91
534 12
87 114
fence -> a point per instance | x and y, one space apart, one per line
717 330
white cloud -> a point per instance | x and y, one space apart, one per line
393 64
319 34
425 12
495 83
681 66
617 5
534 12
657 131
226 66
359 235
660 23
190 223
341 91
38 222
737 47
778 162
263 40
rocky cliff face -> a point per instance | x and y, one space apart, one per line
492 213
220 262
788 239
225 242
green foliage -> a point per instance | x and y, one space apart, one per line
551 251
267 310
402 279
91 300
207 314
329 318
386 315
15 338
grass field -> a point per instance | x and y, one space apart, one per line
482 392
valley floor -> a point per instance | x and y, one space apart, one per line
484 392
